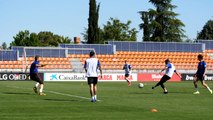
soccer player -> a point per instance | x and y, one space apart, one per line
127 67
91 67
170 69
35 76
200 74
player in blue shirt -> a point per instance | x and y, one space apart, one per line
35 76
200 74
127 67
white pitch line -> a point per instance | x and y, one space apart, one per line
54 92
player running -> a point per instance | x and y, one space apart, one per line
170 69
35 76
127 67
200 74
91 67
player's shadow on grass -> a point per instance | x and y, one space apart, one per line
179 92
16 93
142 93
62 100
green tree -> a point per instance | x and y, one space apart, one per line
43 38
116 30
161 23
93 29
21 39
145 25
4 45
34 40
207 32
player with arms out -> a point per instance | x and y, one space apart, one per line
200 74
170 69
91 67
35 76
127 67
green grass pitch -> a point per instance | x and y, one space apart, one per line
70 101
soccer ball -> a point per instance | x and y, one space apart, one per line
140 85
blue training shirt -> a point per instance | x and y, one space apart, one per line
127 68
33 67
201 68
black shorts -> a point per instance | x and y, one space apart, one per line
126 75
200 77
36 77
92 80
165 78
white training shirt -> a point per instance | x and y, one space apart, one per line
92 65
170 69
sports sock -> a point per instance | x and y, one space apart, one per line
36 85
208 88
41 90
95 97
196 89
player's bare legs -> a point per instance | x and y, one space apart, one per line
36 88
95 92
91 90
196 87
41 90
206 86
128 81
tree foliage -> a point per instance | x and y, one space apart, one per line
116 30
161 24
207 32
4 45
44 38
93 29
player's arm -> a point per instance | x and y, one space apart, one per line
178 74
99 66
85 66
204 67
123 67
163 69
130 68
40 65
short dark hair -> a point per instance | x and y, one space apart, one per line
167 60
200 56
91 53
36 57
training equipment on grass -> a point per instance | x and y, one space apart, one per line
140 85
154 110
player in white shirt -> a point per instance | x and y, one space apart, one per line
91 67
127 67
170 69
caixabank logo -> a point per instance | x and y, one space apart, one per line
64 77
53 77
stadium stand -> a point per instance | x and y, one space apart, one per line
141 55
148 60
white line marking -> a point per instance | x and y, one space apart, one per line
54 92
